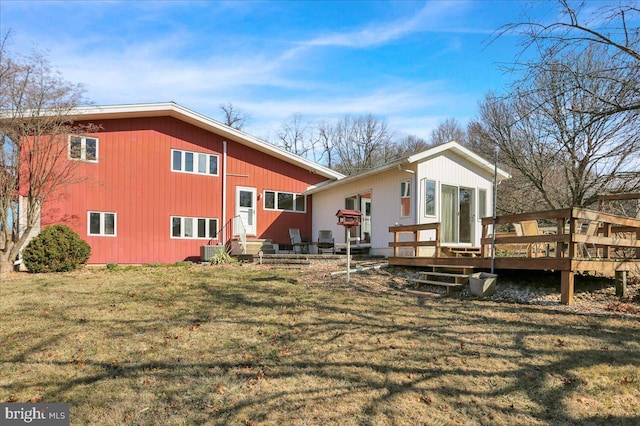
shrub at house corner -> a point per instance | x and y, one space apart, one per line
56 249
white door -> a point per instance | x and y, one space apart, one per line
246 209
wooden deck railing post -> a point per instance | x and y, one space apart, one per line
566 287
605 233
396 249
437 240
560 246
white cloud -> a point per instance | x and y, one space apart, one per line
434 16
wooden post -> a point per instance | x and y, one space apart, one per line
396 238
606 233
560 245
566 287
621 283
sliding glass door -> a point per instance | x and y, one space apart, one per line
456 209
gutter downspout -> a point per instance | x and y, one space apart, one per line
224 191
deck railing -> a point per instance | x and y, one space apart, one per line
562 234
416 243
559 234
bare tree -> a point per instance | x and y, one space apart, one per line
613 28
566 154
36 107
410 145
294 136
233 117
447 131
362 143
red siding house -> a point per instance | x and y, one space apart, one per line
159 181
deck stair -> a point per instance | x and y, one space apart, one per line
254 246
461 251
449 276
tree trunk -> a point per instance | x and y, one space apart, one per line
6 266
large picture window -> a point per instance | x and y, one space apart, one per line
194 162
286 201
83 148
194 227
101 224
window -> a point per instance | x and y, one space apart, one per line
194 227
83 148
285 201
101 224
429 197
482 203
405 198
194 162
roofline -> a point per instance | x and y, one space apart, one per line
455 146
172 109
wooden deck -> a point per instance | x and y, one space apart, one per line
561 243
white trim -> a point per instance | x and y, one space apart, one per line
253 228
171 109
194 163
83 148
405 162
194 220
102 223
275 201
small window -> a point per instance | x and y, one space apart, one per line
269 200
194 162
101 224
482 203
429 198
285 201
405 198
194 227
83 148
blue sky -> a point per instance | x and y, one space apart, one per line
412 63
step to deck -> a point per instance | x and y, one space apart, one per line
433 282
418 293
445 274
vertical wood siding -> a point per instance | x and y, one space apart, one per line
133 178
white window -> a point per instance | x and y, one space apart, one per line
429 197
101 224
285 201
405 198
194 162
194 227
83 148
482 203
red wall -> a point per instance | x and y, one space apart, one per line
133 178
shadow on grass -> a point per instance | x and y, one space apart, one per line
286 351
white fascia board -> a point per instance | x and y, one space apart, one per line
463 152
326 185
172 109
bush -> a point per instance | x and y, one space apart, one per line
222 256
56 249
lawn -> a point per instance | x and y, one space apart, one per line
250 345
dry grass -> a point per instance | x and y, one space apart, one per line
252 345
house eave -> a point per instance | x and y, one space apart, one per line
172 109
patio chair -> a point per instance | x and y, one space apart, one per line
299 246
591 230
528 228
326 242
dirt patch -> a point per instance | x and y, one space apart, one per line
593 294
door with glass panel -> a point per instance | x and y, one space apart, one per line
246 208
456 208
